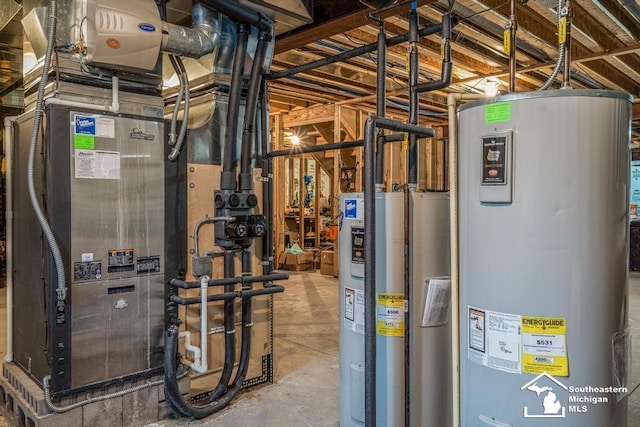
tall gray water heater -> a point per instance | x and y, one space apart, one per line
543 196
430 346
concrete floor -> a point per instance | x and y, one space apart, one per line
305 392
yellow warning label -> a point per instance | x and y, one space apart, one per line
405 142
390 315
506 38
562 30
544 345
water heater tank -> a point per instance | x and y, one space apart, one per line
543 196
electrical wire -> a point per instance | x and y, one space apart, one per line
61 288
60 409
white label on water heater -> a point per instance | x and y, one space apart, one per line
495 339
354 310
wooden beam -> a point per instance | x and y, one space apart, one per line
307 116
636 111
337 26
534 23
545 65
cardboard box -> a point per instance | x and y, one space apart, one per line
328 263
296 262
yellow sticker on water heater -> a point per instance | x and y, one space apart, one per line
544 346
390 315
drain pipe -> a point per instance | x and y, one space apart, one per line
228 176
200 354
372 124
8 152
452 101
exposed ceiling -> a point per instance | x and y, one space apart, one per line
605 50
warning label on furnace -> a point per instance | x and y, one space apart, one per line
544 347
495 339
390 315
354 310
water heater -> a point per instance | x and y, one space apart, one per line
429 346
543 196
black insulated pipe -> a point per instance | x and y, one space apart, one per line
248 132
246 262
370 253
409 306
230 280
228 178
447 66
369 276
414 68
267 183
368 48
268 289
229 333
396 137
240 13
381 99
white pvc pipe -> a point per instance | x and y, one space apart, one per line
204 324
191 348
8 151
199 354
113 108
452 101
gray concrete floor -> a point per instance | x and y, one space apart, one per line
305 391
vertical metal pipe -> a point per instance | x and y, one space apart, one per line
369 275
512 51
228 178
566 73
412 163
408 308
381 100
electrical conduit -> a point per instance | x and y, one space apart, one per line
61 288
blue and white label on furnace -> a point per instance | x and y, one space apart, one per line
354 208
85 125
